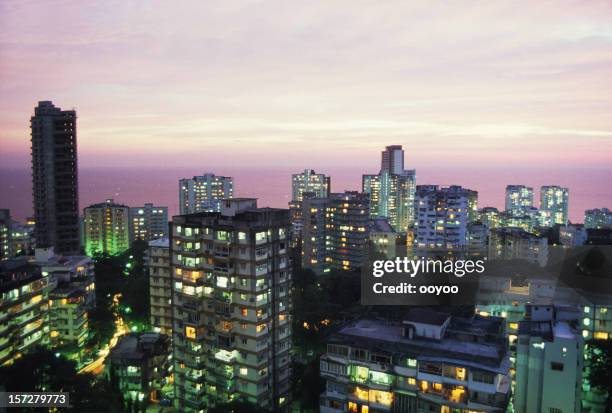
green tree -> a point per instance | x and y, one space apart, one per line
42 370
599 357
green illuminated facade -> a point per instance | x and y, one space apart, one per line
106 228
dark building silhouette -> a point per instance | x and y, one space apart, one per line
54 178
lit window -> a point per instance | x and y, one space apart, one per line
190 332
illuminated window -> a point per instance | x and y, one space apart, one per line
381 397
601 335
260 328
190 332
411 381
360 393
245 312
352 407
244 371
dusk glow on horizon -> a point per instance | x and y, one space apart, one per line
212 87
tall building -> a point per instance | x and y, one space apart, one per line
106 228
429 362
306 184
6 243
548 367
309 181
554 204
22 238
148 222
392 190
336 231
314 233
490 216
347 227
204 193
160 285
442 216
24 293
55 178
518 197
598 218
231 304
515 243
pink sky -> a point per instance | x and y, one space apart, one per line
204 85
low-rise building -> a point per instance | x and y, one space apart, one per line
430 362
515 243
384 238
138 366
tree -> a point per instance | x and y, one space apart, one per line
42 370
599 356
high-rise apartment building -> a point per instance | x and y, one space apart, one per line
6 243
598 218
24 308
160 285
348 228
518 197
55 178
554 204
148 222
442 216
392 190
336 231
306 184
309 181
429 362
231 305
204 193
106 228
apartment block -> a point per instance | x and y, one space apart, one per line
307 184
429 362
392 190
442 216
204 193
231 304
106 228
55 192
518 198
515 243
148 222
554 205
160 285
598 218
23 308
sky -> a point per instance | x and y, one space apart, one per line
317 84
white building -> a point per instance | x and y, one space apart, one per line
549 367
160 285
442 216
204 193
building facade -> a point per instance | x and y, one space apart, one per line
430 362
55 178
204 193
554 204
598 218
106 228
24 292
443 215
231 305
518 198
515 243
6 243
392 190
160 285
148 222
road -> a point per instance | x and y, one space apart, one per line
97 366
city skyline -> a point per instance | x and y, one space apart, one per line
159 85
